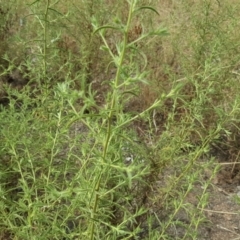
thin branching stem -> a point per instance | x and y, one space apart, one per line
45 40
112 108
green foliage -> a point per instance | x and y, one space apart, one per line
96 142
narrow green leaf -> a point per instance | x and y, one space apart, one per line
159 32
147 7
30 4
106 27
130 92
55 11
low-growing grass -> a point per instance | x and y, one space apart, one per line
108 114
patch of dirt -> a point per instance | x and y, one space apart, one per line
223 214
223 210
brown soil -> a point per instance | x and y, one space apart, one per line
223 210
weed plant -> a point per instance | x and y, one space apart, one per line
110 117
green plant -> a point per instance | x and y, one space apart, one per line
115 120
101 185
109 125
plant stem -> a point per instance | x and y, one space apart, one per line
112 111
45 41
